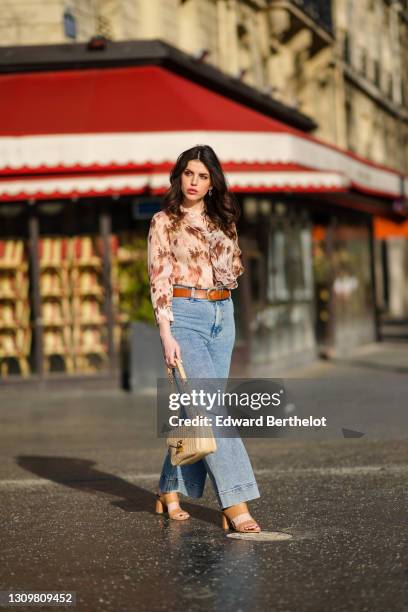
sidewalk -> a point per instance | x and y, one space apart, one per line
389 356
392 356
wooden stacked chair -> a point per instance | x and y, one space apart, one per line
15 330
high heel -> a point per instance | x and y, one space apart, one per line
159 505
173 508
242 518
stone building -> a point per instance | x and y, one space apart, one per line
344 64
258 78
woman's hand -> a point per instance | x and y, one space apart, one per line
171 348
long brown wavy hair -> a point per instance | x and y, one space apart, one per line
221 207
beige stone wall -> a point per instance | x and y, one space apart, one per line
358 101
197 28
32 22
372 46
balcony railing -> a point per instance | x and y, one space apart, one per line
318 10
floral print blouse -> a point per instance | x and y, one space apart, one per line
196 254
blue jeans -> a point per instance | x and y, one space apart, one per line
205 331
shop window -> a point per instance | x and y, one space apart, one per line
352 285
306 263
281 282
72 288
276 277
16 337
289 264
344 300
55 301
89 332
130 281
15 327
72 303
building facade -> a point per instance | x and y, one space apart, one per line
344 63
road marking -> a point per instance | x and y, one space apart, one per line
358 470
263 536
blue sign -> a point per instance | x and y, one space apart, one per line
145 208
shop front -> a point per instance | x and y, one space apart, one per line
74 276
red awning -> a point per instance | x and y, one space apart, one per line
119 130
119 100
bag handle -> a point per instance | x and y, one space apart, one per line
181 370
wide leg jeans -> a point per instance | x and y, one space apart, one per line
205 331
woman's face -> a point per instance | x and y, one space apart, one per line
195 180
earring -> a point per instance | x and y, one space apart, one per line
210 192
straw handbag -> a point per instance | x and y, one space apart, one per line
188 443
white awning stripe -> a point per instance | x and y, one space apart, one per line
87 150
118 183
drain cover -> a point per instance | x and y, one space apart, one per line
263 536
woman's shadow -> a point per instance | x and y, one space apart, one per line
82 475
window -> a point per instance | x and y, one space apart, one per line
350 125
390 86
346 48
377 73
363 62
69 24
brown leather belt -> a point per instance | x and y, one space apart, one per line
206 294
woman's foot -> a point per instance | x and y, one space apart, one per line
170 502
238 518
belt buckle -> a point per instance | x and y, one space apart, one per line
209 290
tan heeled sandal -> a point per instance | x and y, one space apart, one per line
243 523
173 508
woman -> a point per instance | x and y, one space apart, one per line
193 247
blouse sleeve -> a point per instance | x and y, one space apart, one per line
237 266
160 267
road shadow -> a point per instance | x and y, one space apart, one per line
81 474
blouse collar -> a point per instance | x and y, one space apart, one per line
199 221
192 212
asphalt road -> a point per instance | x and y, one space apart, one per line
77 475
